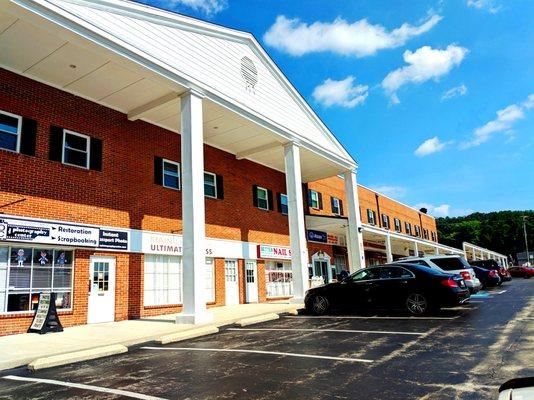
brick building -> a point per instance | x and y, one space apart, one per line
152 163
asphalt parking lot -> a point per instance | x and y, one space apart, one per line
464 353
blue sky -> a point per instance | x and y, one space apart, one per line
430 97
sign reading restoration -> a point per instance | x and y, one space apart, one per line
64 234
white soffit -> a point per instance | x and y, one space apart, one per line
208 56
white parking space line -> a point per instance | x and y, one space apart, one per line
118 392
275 353
327 330
501 292
362 317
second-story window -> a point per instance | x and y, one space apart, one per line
171 174
76 149
398 226
385 221
337 206
262 201
210 185
371 217
417 231
10 127
315 199
425 233
282 203
408 228
433 236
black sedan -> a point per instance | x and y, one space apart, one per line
490 265
415 288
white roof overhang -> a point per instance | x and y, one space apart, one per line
91 49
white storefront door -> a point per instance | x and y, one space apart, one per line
231 279
101 305
251 275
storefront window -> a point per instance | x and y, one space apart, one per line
278 279
163 280
25 272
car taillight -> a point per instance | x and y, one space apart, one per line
493 274
449 282
466 275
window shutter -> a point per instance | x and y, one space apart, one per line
28 136
55 149
309 198
279 202
158 171
332 204
255 195
270 197
341 207
96 154
320 200
220 187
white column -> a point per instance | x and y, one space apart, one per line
193 213
389 253
355 234
297 230
436 250
416 248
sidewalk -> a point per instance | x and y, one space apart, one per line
19 350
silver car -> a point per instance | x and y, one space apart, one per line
451 264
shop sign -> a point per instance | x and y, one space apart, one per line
112 239
46 319
63 234
327 238
161 243
274 252
317 236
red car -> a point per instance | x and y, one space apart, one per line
525 272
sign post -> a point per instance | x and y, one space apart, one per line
46 318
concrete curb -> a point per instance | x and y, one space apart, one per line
189 334
257 319
76 356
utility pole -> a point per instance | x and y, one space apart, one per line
526 241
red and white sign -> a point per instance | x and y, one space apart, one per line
268 252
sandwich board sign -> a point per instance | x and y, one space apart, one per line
46 318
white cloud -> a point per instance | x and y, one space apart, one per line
425 63
443 210
344 93
454 92
430 146
504 122
488 5
359 38
390 191
208 7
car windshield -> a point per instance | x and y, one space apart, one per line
449 263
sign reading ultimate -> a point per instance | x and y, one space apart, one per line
37 231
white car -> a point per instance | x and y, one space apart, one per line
517 389
451 264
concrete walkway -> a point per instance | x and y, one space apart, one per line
19 350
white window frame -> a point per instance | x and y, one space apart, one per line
163 174
408 228
336 203
417 230
214 184
385 221
282 195
6 291
87 148
371 213
258 189
19 130
160 264
316 200
395 220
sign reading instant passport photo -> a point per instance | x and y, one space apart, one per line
62 234
46 319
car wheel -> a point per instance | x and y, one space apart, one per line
319 305
417 304
527 276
